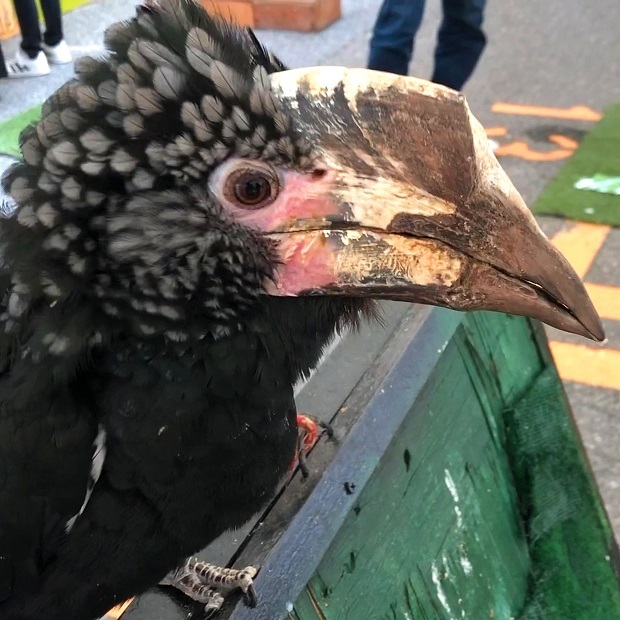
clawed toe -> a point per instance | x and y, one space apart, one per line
200 580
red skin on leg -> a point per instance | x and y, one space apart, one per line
308 435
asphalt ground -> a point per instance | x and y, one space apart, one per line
542 59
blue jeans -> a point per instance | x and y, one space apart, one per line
460 39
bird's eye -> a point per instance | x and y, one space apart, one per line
252 189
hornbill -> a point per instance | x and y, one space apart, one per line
193 224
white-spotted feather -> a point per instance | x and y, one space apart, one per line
95 141
148 101
169 83
160 55
226 80
96 468
199 61
212 108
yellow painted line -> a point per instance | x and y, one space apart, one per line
496 132
581 244
118 611
588 365
522 150
576 112
69 5
606 300
580 363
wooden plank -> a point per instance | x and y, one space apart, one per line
505 346
436 532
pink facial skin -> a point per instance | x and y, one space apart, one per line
303 198
308 262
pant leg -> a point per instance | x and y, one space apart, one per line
391 45
53 22
28 19
3 73
460 42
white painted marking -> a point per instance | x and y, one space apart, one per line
455 496
441 595
466 564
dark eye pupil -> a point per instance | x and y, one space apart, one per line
252 189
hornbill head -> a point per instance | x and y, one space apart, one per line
180 178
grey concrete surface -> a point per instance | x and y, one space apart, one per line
555 53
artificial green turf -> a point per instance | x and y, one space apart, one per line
10 130
599 152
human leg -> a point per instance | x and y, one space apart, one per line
460 42
53 22
3 71
54 45
391 45
28 19
29 61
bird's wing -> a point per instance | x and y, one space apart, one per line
47 432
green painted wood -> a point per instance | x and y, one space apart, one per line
436 531
305 607
443 529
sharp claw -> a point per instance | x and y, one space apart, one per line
211 609
303 466
327 428
251 600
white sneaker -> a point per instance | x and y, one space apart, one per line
58 54
24 66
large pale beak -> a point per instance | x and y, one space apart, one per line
419 208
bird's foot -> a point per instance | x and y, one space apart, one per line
199 581
308 434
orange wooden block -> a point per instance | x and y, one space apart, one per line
238 11
8 22
302 15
